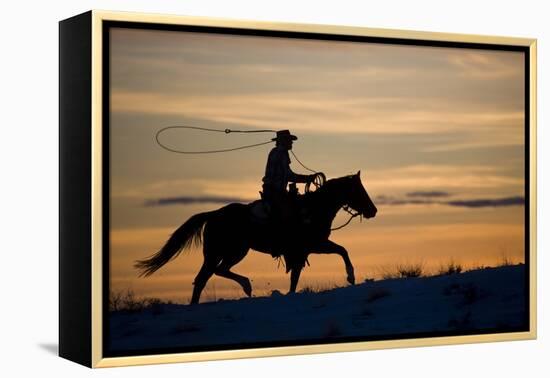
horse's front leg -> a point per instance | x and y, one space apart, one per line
328 247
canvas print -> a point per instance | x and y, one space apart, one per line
280 190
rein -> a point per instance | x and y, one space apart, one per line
352 214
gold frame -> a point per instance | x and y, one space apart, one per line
97 325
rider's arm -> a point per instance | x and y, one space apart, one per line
296 177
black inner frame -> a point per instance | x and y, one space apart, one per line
299 35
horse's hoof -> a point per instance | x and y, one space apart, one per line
351 280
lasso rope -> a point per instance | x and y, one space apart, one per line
226 131
299 162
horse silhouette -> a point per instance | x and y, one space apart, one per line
228 233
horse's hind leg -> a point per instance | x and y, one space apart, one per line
241 280
223 270
207 270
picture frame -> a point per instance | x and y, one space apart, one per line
86 122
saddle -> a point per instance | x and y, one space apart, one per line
261 212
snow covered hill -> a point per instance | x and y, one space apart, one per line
485 300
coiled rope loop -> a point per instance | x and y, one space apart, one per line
226 131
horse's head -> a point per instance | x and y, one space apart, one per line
358 198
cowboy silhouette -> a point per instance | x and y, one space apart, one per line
280 201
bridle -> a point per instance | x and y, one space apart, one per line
352 214
318 181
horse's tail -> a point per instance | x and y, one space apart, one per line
186 235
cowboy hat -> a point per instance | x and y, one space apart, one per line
284 135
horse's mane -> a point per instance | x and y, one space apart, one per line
331 186
334 183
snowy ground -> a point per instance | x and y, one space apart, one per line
481 300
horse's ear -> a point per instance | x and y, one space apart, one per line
359 173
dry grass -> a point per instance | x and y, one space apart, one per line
402 270
127 301
318 288
505 260
450 268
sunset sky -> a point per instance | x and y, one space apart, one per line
436 132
